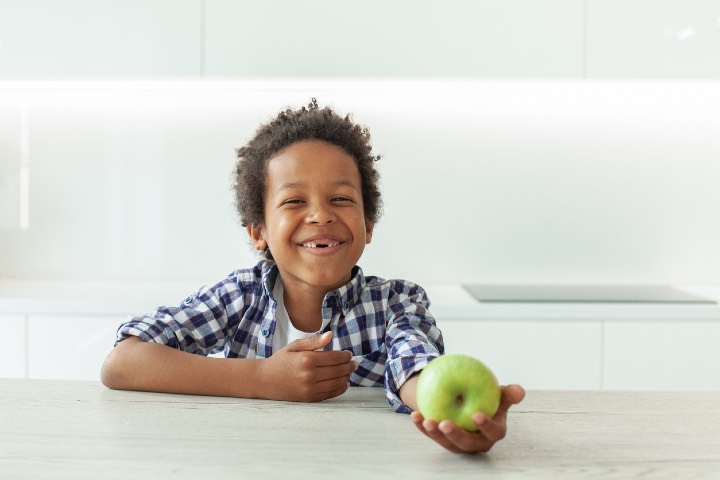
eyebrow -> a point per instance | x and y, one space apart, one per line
338 183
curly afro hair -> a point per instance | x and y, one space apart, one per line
288 127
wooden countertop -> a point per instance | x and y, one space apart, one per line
75 430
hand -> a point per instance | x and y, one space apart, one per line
299 373
491 430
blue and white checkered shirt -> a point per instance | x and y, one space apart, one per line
384 323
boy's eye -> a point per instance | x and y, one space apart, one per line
341 199
292 200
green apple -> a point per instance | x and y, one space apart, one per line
454 387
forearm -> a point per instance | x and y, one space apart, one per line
137 365
407 392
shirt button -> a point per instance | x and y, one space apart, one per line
346 305
265 333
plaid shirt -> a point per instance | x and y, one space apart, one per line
384 323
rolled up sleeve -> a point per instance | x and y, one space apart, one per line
199 325
412 339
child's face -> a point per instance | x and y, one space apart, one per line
314 223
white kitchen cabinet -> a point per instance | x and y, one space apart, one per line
653 38
538 354
662 355
63 330
12 353
70 346
77 38
517 38
485 38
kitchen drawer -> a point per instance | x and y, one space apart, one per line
662 355
70 347
538 354
12 354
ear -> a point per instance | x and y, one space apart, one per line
369 226
256 234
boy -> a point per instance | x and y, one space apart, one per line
305 322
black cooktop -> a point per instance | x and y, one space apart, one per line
582 294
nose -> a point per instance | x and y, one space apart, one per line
320 215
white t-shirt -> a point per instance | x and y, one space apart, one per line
285 331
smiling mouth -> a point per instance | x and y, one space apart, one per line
320 245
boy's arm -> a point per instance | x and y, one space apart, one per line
297 372
138 365
407 392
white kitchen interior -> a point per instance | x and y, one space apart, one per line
562 142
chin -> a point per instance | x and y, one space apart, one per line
329 280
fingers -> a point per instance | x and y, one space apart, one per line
430 429
490 430
320 396
323 357
468 442
330 357
511 395
310 344
312 374
451 437
343 370
330 388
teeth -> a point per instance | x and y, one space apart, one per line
315 245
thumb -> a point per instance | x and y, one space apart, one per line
311 343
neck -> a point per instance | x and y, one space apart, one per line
303 303
304 308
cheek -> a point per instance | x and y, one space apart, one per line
280 231
361 227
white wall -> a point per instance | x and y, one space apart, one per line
483 180
524 141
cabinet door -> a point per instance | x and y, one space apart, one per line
12 353
662 355
538 354
70 347
401 38
651 39
78 38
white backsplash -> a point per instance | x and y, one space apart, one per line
484 181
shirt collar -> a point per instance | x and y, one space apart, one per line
348 295
269 274
343 298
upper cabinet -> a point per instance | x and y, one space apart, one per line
112 38
372 38
516 38
653 38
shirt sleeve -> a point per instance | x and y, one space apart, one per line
412 338
198 325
